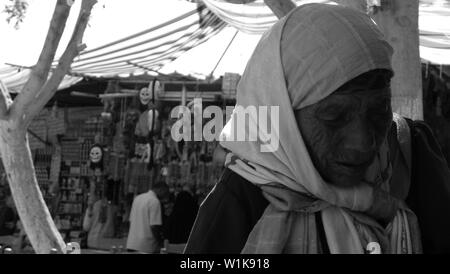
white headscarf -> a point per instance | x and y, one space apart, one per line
302 59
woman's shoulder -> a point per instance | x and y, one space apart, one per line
243 190
231 210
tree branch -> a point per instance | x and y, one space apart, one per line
5 101
280 7
40 71
47 91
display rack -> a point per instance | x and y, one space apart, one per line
42 164
74 169
74 173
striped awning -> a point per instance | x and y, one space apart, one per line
252 18
15 78
143 52
150 49
256 17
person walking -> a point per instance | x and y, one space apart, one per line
145 234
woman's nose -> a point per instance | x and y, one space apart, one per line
360 137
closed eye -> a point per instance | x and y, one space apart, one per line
334 116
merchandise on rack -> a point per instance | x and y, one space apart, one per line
125 146
42 165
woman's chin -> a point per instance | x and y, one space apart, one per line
345 180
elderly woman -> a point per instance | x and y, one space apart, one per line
345 176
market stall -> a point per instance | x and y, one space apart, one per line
116 147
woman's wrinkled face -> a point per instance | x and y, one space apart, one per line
344 131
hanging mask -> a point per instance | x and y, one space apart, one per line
145 96
150 93
96 157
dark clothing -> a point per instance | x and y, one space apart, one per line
7 215
429 194
166 209
235 205
182 218
227 216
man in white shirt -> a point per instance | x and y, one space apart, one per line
146 222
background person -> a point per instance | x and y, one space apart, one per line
99 221
183 216
145 234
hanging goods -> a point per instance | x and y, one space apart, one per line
96 157
152 119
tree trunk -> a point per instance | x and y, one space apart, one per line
280 7
16 116
33 213
400 25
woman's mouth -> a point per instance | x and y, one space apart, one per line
351 168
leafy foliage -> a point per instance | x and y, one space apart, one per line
16 11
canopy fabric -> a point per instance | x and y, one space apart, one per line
252 18
151 49
146 51
434 26
157 47
15 78
256 17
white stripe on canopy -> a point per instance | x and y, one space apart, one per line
148 50
256 17
156 47
152 48
15 78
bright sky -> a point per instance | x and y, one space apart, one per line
114 19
